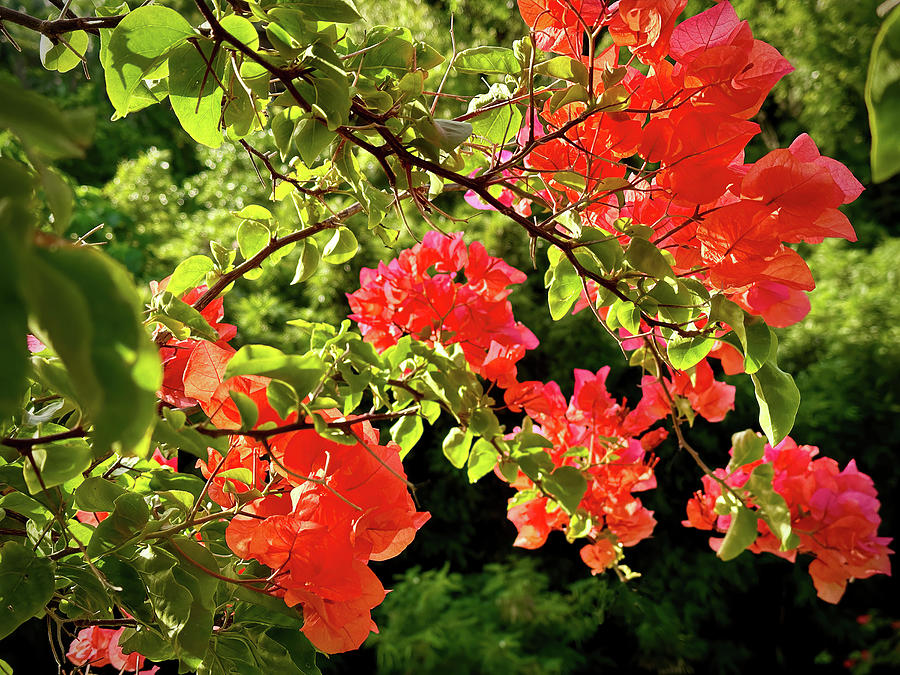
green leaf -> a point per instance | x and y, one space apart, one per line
183 619
25 505
456 446
187 439
389 53
301 372
87 307
310 137
185 314
778 398
191 272
748 447
498 125
565 68
147 642
883 98
40 123
26 585
341 247
282 398
758 343
59 197
628 316
57 462
339 11
246 408
406 432
308 261
194 91
300 649
606 247
163 480
242 29
537 465
564 289
755 339
252 237
13 315
487 61
138 47
687 352
772 506
452 133
741 533
567 485
482 460
57 56
125 522
569 95
645 257
97 494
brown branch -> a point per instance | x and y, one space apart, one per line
24 445
347 425
55 27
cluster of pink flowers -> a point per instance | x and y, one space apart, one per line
834 514
614 461
329 508
97 647
405 298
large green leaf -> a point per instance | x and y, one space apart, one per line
564 289
138 48
40 123
687 352
63 56
340 11
772 506
883 99
128 518
741 533
778 398
190 273
15 188
482 459
26 585
56 463
194 90
88 309
487 61
644 256
456 446
301 372
567 485
498 125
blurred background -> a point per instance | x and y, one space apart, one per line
463 600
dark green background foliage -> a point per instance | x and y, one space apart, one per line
464 601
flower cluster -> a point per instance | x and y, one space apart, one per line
97 647
725 222
593 433
315 511
834 513
405 298
598 436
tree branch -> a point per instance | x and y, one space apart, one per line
55 27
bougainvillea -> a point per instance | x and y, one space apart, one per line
404 298
322 510
97 647
624 162
833 513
